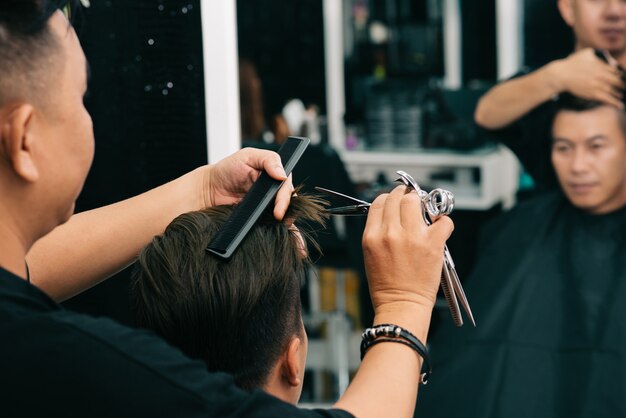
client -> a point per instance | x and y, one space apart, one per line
241 316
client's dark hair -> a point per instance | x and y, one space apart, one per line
26 47
571 103
236 315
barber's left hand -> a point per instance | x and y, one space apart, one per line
227 181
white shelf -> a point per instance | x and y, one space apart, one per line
497 167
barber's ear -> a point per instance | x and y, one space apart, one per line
292 367
18 140
566 7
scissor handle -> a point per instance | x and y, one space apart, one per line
439 202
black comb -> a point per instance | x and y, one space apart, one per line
260 195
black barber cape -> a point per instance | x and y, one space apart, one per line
549 297
55 363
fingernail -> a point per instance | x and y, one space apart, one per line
281 170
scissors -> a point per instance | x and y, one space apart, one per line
437 203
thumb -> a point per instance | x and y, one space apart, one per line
274 167
265 160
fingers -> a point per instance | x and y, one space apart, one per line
269 162
391 211
374 216
411 212
412 220
610 59
611 84
593 78
283 197
403 256
394 212
441 229
605 86
614 80
609 91
610 99
274 167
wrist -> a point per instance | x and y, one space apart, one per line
203 187
391 333
552 75
399 301
191 190
414 316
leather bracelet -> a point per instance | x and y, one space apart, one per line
393 333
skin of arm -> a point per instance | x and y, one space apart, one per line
581 74
510 100
403 258
96 244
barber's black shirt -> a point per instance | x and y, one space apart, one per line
54 362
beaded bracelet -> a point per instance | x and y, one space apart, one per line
393 333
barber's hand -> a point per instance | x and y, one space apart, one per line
227 181
584 75
403 255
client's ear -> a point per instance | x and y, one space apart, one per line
292 368
17 141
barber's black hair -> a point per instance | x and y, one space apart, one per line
26 45
28 17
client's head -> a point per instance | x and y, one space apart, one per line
241 316
589 153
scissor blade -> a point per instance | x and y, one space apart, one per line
458 290
448 293
349 210
344 196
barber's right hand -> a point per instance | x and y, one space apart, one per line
403 255
584 75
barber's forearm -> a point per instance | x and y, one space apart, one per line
510 100
95 244
387 381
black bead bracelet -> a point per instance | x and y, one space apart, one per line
393 333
